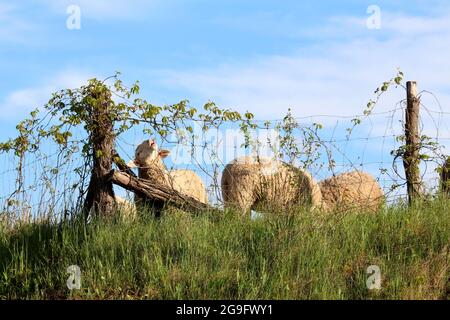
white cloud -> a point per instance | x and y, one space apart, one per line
332 77
106 9
407 25
12 27
19 103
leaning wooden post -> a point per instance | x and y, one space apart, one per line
411 159
159 192
100 195
445 178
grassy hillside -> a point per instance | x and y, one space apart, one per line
297 256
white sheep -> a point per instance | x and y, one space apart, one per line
352 191
125 207
148 160
252 183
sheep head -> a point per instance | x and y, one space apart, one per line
148 154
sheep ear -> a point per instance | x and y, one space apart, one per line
164 153
132 164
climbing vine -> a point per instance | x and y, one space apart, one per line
72 118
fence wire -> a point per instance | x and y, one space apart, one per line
49 184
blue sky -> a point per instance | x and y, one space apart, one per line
231 51
316 57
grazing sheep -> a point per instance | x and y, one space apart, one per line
148 160
249 183
445 178
125 207
188 182
354 190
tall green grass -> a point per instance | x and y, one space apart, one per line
293 256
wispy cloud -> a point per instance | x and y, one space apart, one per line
19 103
331 77
106 9
12 27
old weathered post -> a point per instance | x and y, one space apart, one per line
411 158
100 195
445 178
159 192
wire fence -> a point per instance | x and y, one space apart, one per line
48 183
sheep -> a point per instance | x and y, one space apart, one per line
188 182
251 182
349 191
445 178
125 207
148 160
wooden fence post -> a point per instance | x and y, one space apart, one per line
445 178
159 192
411 159
100 194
